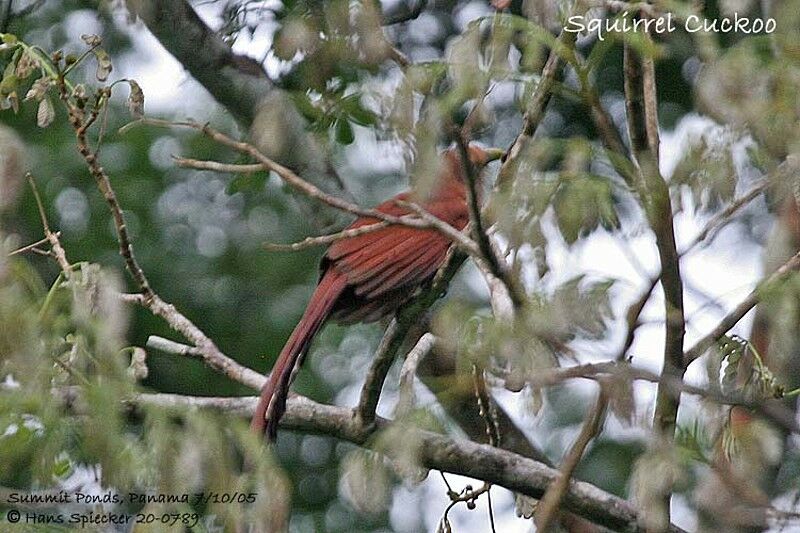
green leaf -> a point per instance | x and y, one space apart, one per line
247 182
9 82
352 110
62 467
306 107
582 204
344 132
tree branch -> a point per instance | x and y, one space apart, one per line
495 268
643 132
435 451
548 507
535 110
396 333
241 85
235 81
737 313
424 220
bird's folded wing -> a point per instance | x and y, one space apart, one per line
392 257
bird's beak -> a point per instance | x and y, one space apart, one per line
492 154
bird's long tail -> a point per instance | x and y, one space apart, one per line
272 403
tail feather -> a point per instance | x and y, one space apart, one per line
272 403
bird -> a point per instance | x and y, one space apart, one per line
366 277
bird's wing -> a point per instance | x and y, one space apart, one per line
395 256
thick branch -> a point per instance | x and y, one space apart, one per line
643 132
241 85
235 81
402 12
435 451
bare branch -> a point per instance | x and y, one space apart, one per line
642 130
242 86
312 191
217 361
535 110
409 370
396 333
737 313
52 238
438 452
32 246
548 507
131 298
210 353
237 82
632 318
723 218
217 166
672 385
495 265
104 185
309 242
376 375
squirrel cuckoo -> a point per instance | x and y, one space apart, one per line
367 277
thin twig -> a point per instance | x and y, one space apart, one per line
724 217
549 505
632 316
52 238
420 350
225 365
131 298
32 246
478 230
459 238
104 185
535 110
311 190
672 385
216 166
320 240
738 312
